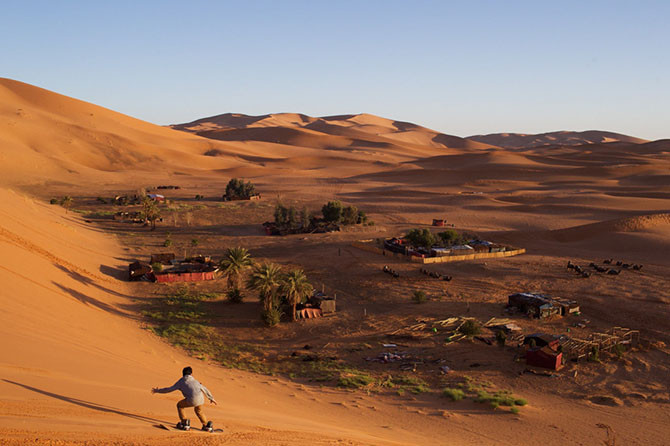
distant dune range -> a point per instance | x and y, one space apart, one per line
561 138
78 368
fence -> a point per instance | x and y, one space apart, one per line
368 246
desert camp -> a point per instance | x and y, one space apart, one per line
334 224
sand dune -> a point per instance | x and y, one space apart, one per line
562 138
77 364
650 223
365 127
47 136
73 349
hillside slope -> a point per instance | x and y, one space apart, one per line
47 136
76 361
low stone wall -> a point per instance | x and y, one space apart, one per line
368 246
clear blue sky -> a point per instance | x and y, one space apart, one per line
460 67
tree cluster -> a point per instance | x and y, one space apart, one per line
336 212
275 287
424 238
239 190
289 218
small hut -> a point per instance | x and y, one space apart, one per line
164 258
138 270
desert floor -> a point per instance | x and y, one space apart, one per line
78 360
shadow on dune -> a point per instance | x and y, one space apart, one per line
119 272
88 404
88 300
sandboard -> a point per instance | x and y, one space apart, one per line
174 429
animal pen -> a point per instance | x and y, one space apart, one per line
578 349
370 246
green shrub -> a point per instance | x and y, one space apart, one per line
167 243
355 381
101 200
619 350
470 328
332 211
271 316
514 410
289 218
454 394
411 383
54 201
157 266
419 297
594 356
234 295
450 237
501 337
421 238
350 215
362 218
238 189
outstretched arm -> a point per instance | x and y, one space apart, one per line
207 394
172 388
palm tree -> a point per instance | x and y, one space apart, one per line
150 211
233 264
266 279
66 202
295 286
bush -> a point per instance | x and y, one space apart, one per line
450 237
157 266
195 242
355 381
419 297
332 211
362 218
501 337
470 328
167 243
101 200
515 410
234 296
619 350
421 238
54 201
288 218
594 356
350 215
271 316
238 189
411 383
454 394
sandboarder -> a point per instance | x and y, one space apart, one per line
194 396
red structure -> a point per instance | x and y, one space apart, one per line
544 357
438 222
184 277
